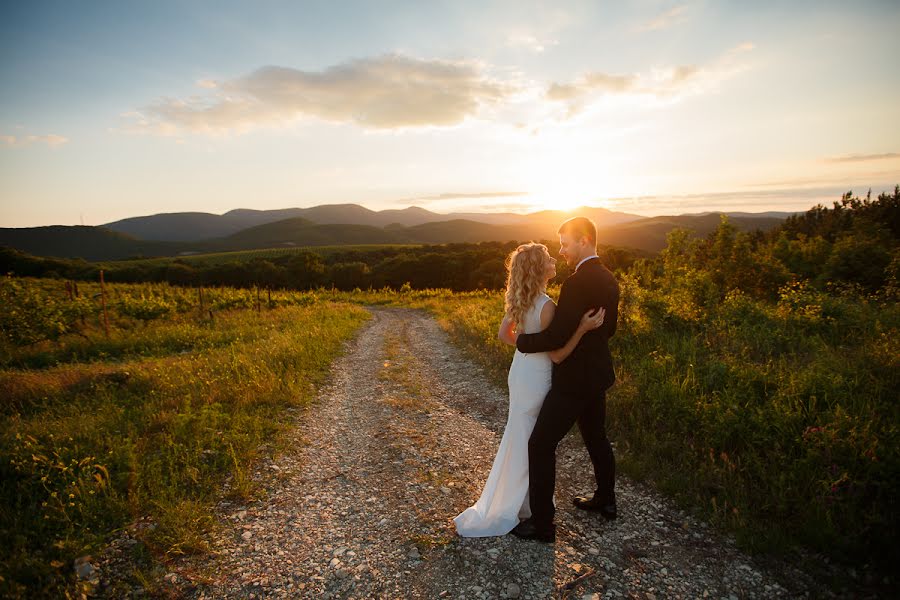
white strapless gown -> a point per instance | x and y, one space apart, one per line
504 500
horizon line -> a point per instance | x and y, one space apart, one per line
526 209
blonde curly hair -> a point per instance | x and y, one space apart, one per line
525 268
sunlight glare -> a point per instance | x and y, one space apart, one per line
571 181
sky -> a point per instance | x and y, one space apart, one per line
118 109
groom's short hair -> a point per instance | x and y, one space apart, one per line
580 226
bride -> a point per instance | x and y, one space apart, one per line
504 500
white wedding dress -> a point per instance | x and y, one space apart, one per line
504 500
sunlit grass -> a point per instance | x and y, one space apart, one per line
775 420
153 425
214 258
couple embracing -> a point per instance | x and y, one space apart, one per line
559 376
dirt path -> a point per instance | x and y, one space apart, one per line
400 442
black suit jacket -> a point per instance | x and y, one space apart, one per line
589 369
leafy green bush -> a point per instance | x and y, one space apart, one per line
143 308
28 316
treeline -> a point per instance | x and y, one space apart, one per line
459 267
853 247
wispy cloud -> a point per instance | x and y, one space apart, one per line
784 199
387 92
51 139
461 196
673 16
858 158
670 83
592 82
533 26
866 178
528 41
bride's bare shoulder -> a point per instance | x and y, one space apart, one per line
547 312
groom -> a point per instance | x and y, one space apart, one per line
579 383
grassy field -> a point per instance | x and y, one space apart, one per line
215 258
97 432
777 421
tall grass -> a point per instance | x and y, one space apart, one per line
780 418
776 420
86 447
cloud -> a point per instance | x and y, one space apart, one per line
387 92
857 158
460 196
521 39
784 199
51 139
592 82
665 83
671 17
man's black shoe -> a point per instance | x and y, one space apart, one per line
529 531
607 510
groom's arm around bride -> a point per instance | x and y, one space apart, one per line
591 286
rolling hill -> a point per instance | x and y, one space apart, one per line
82 241
196 226
207 226
299 231
101 243
650 233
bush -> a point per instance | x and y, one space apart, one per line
144 308
28 316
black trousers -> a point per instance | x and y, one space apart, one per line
558 413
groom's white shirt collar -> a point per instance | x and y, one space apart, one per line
586 258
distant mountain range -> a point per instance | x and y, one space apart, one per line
194 226
172 234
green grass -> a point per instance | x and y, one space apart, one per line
153 425
775 421
214 258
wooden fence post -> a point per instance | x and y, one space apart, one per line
257 299
75 291
103 300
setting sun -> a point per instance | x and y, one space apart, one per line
571 180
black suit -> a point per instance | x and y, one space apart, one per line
579 384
